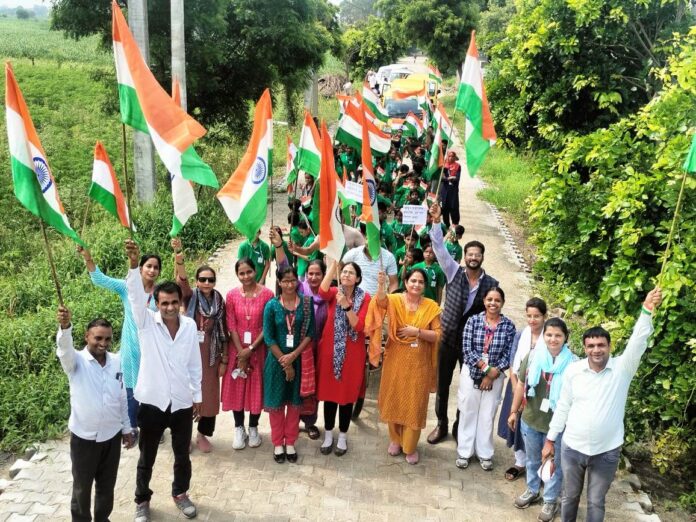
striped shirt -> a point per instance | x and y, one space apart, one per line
371 267
130 348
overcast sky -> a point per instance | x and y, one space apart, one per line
23 3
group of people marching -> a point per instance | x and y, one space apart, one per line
186 351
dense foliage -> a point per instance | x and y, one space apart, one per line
441 28
370 45
570 67
234 48
601 212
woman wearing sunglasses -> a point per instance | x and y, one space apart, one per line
206 306
242 383
288 328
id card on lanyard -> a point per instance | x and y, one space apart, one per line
290 323
489 333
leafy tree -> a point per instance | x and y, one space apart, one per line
601 215
354 12
495 17
23 14
441 27
573 67
370 46
234 48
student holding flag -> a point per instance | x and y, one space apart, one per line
449 189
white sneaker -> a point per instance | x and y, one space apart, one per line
240 438
254 438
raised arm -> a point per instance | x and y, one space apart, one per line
64 341
134 284
447 263
330 274
635 348
87 257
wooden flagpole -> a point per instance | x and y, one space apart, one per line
671 231
125 180
52 265
84 218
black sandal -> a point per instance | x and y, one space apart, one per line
313 432
513 473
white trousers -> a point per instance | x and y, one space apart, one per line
476 414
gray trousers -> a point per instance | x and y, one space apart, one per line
600 470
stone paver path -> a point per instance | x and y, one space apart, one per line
365 484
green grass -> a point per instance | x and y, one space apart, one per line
32 39
507 173
332 65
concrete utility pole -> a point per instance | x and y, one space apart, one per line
311 96
179 48
143 153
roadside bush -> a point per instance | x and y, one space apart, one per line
601 218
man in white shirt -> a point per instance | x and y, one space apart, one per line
591 411
98 415
371 267
169 385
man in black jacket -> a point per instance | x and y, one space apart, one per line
466 286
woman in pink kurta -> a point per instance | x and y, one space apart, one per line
341 354
242 384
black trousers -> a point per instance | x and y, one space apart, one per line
93 462
450 215
152 422
447 359
206 426
345 411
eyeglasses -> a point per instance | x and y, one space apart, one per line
204 279
288 281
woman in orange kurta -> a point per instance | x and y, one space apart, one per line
410 359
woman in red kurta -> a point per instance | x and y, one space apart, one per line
341 355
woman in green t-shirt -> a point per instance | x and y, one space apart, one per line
536 396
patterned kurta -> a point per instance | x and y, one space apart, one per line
277 391
408 372
210 381
245 394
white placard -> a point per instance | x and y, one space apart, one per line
414 214
354 191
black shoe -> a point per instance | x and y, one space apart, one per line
438 434
313 432
357 408
326 450
292 457
340 452
280 457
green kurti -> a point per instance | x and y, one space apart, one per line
436 279
277 392
258 253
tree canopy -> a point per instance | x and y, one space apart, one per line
572 67
234 48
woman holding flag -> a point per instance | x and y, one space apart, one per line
206 307
341 357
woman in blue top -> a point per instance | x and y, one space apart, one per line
150 267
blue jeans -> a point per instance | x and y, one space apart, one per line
600 471
533 444
132 408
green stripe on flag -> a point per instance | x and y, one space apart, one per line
105 198
373 241
176 227
309 162
28 192
131 113
253 215
690 163
347 138
193 168
469 103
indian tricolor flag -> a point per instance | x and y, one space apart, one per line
436 161
350 130
442 122
370 213
413 126
290 168
373 103
479 134
147 107
331 238
34 185
245 195
416 93
309 153
434 73
105 189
